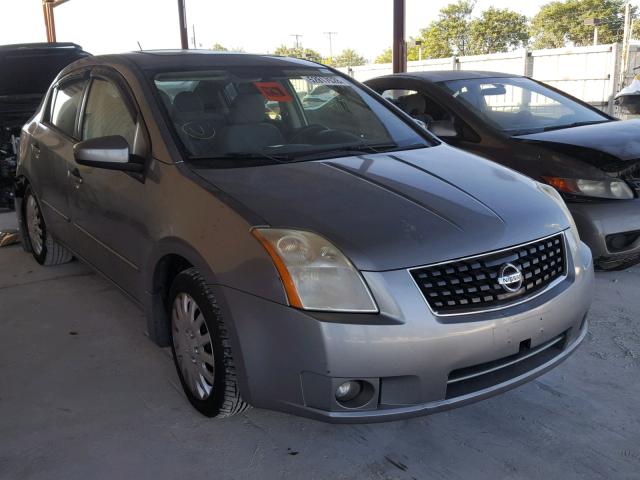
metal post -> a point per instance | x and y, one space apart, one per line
399 44
595 36
49 20
182 18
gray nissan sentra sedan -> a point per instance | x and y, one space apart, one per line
329 259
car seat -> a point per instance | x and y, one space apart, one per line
248 130
414 105
197 128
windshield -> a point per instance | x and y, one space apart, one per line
239 115
519 105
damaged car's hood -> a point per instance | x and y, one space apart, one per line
396 210
606 145
26 72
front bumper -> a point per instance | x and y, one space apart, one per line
599 221
292 361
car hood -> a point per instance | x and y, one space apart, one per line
604 145
397 210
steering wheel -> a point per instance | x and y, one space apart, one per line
307 131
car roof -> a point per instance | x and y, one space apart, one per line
446 75
27 48
186 59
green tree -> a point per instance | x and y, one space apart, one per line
385 57
435 44
217 47
305 53
561 22
452 26
456 32
348 58
497 30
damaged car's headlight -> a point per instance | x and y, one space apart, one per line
613 189
315 274
555 196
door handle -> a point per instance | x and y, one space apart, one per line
75 173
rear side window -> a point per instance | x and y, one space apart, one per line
107 114
66 103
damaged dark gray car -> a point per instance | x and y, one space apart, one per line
592 159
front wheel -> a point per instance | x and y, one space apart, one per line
201 348
36 239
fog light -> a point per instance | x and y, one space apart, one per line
348 391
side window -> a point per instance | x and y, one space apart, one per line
65 104
417 104
106 113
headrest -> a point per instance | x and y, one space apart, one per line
187 102
247 108
209 93
414 104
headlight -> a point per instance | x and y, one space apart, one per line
615 189
315 274
555 196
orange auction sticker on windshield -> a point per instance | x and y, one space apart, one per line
273 91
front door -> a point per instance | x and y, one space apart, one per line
108 208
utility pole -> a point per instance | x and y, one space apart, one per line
626 37
297 36
193 29
330 35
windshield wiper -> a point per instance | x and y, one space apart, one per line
360 148
571 125
244 156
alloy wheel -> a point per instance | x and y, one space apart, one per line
192 345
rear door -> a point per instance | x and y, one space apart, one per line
110 209
51 151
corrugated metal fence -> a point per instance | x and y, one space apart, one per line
589 73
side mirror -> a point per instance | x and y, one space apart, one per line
443 128
110 152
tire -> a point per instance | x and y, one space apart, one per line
201 348
35 238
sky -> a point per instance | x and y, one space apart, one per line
111 26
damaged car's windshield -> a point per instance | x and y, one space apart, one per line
236 116
519 105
